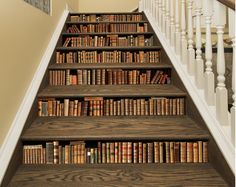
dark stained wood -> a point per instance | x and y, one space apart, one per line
15 162
175 175
167 90
110 48
110 66
106 13
115 128
108 22
108 33
218 161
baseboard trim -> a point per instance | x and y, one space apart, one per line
18 123
220 135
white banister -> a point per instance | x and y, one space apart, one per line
140 6
199 68
153 8
221 91
160 13
172 23
209 83
191 52
156 10
163 17
184 44
167 29
177 33
231 15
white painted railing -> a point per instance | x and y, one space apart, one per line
177 33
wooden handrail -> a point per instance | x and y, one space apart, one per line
228 3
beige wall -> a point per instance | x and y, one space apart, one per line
25 33
107 5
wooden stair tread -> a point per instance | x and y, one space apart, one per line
110 66
108 22
178 175
114 128
107 33
110 48
104 13
166 90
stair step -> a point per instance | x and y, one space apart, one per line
110 66
167 90
109 22
106 13
108 33
178 175
115 128
110 48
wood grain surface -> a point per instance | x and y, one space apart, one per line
171 175
110 48
112 91
110 66
114 128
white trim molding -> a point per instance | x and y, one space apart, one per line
221 136
18 123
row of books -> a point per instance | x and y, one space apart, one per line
109 40
77 152
107 17
108 57
98 106
107 77
107 27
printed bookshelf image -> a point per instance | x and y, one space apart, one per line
112 40
108 77
106 17
115 56
99 106
107 27
78 152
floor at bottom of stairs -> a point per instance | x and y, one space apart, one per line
171 175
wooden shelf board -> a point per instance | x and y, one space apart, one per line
114 128
106 13
165 90
122 175
108 33
110 48
108 22
110 66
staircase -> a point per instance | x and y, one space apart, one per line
166 114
